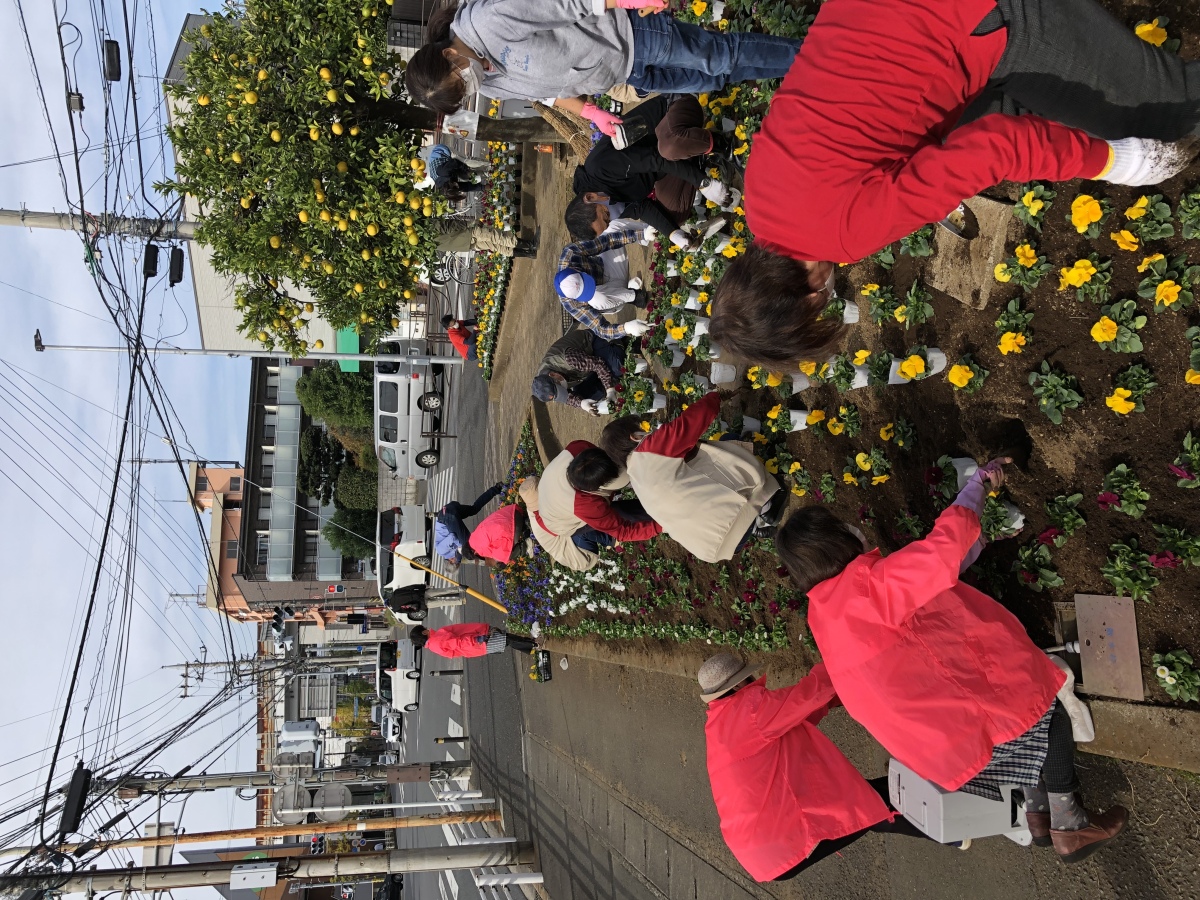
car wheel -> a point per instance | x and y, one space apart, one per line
411 707
412 675
427 459
430 400
422 560
439 276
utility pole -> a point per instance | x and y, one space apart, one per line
158 229
348 775
39 346
350 867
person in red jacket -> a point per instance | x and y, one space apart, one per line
468 640
894 112
943 676
786 796
461 333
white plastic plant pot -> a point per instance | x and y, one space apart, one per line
721 245
660 402
1015 521
799 420
727 124
677 359
965 468
722 373
799 382
935 362
749 423
850 314
604 407
703 383
718 10
640 366
695 341
703 281
861 378
714 351
702 325
671 270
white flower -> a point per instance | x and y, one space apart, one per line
535 630
1170 679
1162 671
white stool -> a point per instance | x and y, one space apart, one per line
950 816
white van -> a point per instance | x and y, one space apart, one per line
408 404
398 675
401 585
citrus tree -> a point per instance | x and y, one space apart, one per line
303 161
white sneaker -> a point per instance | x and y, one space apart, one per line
635 284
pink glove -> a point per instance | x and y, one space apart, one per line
651 5
605 121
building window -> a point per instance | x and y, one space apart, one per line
235 484
231 549
201 483
263 548
310 549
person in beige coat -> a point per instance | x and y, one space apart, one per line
560 547
708 496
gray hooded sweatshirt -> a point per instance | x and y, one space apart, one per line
547 48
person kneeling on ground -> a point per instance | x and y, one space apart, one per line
894 112
461 333
943 676
457 236
580 369
582 285
451 536
786 796
709 496
468 640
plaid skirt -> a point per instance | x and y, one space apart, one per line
1016 762
497 641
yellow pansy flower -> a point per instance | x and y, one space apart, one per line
758 438
698 7
774 411
863 461
774 379
861 357
808 367
886 432
1167 292
1031 202
1079 274
1149 261
796 489
869 289
1125 239
900 314
1151 32
1001 273
1138 209
880 479
1118 401
1104 331
702 99
960 376
639 396
1085 210
794 468
644 425
752 372
772 466
1192 376
912 367
849 478
833 426
1026 255
677 332
817 415
740 131
1011 342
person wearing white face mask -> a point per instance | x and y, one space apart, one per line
560 51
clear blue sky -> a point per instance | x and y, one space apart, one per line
58 430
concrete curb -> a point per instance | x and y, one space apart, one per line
1163 736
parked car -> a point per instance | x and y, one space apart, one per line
398 675
408 402
400 584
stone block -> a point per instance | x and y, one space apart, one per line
964 268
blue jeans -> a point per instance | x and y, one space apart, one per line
674 57
590 540
612 354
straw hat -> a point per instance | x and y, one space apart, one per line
722 672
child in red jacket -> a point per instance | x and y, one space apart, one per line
468 640
942 675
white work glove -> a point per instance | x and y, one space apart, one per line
611 395
589 406
1138 161
636 327
681 239
720 193
649 233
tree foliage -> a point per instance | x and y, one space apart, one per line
340 399
351 532
288 136
357 488
322 460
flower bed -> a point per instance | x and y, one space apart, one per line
492 270
1090 380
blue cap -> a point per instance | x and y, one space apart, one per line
589 284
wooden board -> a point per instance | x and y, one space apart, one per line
1108 647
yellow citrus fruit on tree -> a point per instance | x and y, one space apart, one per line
342 167
343 225
372 229
362 42
320 195
399 196
414 202
308 307
413 239
250 98
382 283
408 295
366 254
235 156
303 215
328 267
377 252
354 130
331 95
231 118
318 344
245 203
325 216
384 77
395 322
367 60
263 336
336 128
354 215
262 74
276 135
315 133
415 162
307 258
408 220
275 242
325 74
208 151
204 100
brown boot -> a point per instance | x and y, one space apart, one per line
1039 827
1073 846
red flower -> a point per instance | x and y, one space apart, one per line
1108 500
1028 577
1179 472
773 608
933 476
782 571
1048 536
1165 560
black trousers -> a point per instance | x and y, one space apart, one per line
518 643
1072 62
823 849
1058 771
